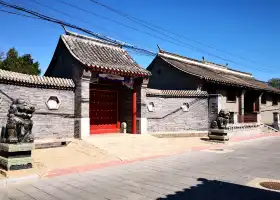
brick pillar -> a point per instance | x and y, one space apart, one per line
84 93
235 117
241 103
143 118
134 111
258 108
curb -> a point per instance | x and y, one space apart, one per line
8 181
79 169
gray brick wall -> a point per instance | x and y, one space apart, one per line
169 117
47 123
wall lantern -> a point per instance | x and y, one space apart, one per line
151 107
185 107
53 103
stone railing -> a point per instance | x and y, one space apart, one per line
242 126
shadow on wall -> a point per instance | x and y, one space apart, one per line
219 190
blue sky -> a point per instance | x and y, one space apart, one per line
245 28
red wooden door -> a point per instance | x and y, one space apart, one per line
103 111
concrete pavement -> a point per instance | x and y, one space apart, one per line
213 175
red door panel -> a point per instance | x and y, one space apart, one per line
103 111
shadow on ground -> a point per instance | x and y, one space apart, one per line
219 190
213 141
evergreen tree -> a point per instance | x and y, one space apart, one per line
22 64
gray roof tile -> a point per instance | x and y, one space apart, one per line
176 93
217 75
14 77
101 55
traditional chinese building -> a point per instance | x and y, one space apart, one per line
247 99
93 87
107 82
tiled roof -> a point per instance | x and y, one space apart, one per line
176 93
25 79
101 55
216 73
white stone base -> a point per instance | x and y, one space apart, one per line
143 123
84 128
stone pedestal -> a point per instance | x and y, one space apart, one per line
218 134
15 156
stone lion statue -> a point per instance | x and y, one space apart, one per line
222 120
19 124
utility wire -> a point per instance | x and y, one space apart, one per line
150 25
170 41
60 22
47 18
19 14
119 23
173 40
64 13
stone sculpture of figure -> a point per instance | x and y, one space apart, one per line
221 121
19 124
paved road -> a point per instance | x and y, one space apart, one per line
192 176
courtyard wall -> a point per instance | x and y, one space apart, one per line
48 124
174 111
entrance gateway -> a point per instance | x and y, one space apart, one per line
112 100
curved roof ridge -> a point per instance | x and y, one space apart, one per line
101 56
209 64
98 41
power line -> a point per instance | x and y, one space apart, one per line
178 42
64 13
60 22
19 14
119 23
47 18
163 39
149 25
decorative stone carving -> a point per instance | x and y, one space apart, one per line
151 106
53 103
185 107
221 121
19 123
17 138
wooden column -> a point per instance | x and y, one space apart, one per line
134 111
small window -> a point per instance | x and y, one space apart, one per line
275 100
231 96
263 99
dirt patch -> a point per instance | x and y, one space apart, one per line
76 153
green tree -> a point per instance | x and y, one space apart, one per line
274 82
23 64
